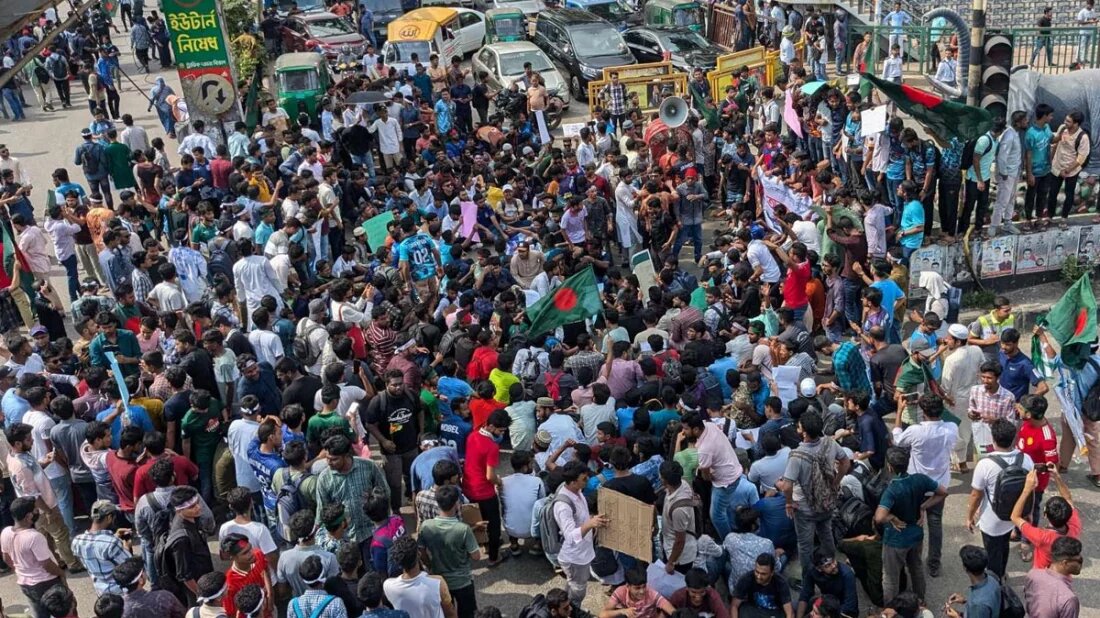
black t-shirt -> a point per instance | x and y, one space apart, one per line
239 343
771 596
200 367
396 419
633 485
174 409
301 391
884 367
480 97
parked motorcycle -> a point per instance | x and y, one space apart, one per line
509 103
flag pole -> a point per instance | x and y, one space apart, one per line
977 51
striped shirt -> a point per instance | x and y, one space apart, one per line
992 406
100 552
303 606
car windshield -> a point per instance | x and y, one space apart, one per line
686 42
322 28
303 5
686 17
589 42
405 50
297 81
611 11
510 26
382 6
512 64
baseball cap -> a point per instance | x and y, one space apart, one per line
89 284
317 307
38 330
102 508
508 188
628 124
691 173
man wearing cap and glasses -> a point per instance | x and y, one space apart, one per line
101 550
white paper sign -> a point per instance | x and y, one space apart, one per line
544 132
786 378
572 129
873 121
853 80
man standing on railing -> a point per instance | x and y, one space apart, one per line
840 38
898 19
1086 18
1043 38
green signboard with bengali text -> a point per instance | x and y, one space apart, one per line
196 32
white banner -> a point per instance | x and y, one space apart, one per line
775 192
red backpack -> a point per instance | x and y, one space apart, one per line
553 383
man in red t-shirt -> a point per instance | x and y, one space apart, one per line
798 275
247 565
185 470
1060 512
479 479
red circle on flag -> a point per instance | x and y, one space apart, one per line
565 299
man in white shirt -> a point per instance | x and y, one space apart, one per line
930 444
519 492
196 139
996 532
239 436
602 409
8 162
570 510
388 130
254 278
960 375
268 346
134 137
1086 18
168 295
764 266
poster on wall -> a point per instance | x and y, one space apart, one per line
998 255
1062 243
1032 253
956 270
933 258
1088 247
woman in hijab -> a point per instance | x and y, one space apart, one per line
936 302
158 98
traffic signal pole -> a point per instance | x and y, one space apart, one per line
977 35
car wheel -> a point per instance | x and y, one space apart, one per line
575 88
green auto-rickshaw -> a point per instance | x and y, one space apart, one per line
505 25
301 81
674 13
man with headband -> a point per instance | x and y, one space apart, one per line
247 567
314 602
212 589
183 555
130 576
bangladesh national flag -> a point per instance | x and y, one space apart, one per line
943 117
577 299
1072 322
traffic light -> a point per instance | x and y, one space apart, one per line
996 72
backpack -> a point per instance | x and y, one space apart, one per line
219 266
695 503
40 73
549 532
553 383
954 304
1008 487
60 68
671 366
91 159
289 501
530 370
195 611
317 611
874 483
1090 405
302 348
968 151
162 519
536 608
821 492
853 518
1011 606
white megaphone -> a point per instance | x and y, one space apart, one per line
673 112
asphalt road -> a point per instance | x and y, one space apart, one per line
46 140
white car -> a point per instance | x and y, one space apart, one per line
530 8
504 64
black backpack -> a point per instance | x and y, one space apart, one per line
40 73
853 518
91 159
219 266
303 349
60 69
1008 486
968 151
163 537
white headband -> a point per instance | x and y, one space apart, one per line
136 578
216 595
259 606
190 503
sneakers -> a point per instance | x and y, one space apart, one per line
933 569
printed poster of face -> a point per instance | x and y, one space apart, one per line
956 260
930 258
1033 253
1088 248
1062 243
998 255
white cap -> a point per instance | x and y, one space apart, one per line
958 331
807 387
507 188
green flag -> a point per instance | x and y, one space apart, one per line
576 299
709 112
1072 322
945 118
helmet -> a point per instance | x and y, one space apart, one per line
346 49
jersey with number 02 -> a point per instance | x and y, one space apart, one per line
417 251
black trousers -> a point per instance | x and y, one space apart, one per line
34 596
143 58
1035 200
127 13
929 203
490 513
1056 188
949 188
466 600
63 92
974 197
113 100
997 548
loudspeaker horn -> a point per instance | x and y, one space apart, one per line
673 112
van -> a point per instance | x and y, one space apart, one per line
445 31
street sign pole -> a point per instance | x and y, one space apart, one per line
203 60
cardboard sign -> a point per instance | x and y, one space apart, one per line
471 514
631 524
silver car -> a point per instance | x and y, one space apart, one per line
504 64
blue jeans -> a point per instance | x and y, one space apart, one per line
841 55
695 230
839 165
1084 41
720 500
150 564
799 313
853 306
12 100
892 193
74 279
63 489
